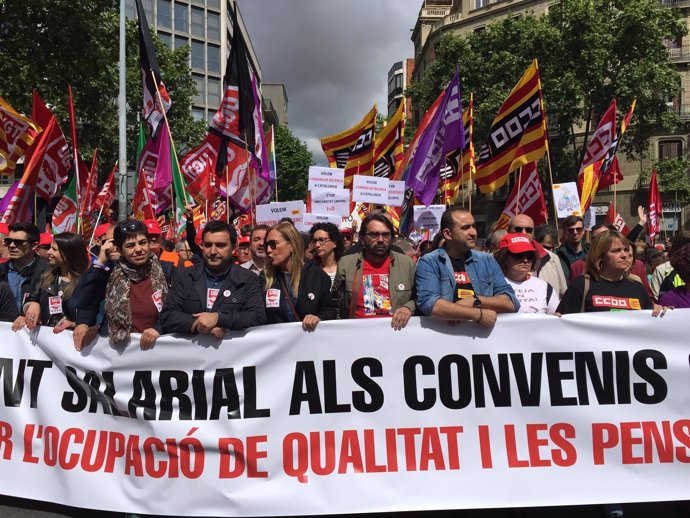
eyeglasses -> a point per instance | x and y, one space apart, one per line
527 230
320 240
523 256
17 242
272 244
378 235
575 230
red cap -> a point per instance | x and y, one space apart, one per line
100 230
346 231
153 227
517 243
4 228
46 239
244 240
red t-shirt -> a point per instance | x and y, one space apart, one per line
141 302
374 299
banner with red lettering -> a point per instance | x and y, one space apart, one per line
277 421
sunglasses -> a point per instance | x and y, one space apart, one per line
575 230
272 244
520 230
17 242
378 235
523 256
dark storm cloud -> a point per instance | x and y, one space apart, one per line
332 55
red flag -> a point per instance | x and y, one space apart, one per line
653 209
198 159
90 189
615 219
610 169
21 205
107 194
530 200
141 203
56 161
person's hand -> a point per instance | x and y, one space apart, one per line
468 302
148 339
205 322
660 311
487 317
63 324
105 250
218 332
32 312
400 318
188 208
83 335
642 215
309 323
18 323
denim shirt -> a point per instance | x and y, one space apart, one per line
435 278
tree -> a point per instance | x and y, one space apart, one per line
48 45
293 159
672 176
588 52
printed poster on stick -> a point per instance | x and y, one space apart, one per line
271 213
331 201
370 189
326 178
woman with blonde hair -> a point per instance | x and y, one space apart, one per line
294 291
608 285
50 304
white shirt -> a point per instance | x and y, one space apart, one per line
532 295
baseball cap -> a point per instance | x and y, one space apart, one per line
346 231
4 228
153 227
244 240
101 230
516 243
46 239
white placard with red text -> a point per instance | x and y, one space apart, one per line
312 219
271 213
370 189
335 202
326 178
277 421
396 193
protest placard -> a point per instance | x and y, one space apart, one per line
428 218
396 193
326 178
311 219
331 201
567 199
370 189
272 213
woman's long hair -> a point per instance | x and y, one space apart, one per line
601 244
73 252
290 234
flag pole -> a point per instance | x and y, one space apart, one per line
73 125
517 201
273 147
100 212
227 196
553 200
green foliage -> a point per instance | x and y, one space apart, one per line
293 159
588 52
673 175
48 45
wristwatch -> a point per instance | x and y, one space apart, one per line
477 302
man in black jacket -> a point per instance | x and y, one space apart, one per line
24 269
217 295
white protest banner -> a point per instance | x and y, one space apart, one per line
326 178
271 213
567 199
276 421
311 219
428 218
590 217
396 193
331 201
370 189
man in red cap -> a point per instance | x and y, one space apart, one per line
44 245
244 252
4 252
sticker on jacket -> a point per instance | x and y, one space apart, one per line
273 298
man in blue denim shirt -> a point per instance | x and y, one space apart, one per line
457 283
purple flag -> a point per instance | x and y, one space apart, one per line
260 151
444 134
5 202
163 176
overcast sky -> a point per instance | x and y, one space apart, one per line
332 55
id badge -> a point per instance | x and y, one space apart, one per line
273 298
211 296
55 305
157 297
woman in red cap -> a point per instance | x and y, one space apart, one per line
517 257
50 304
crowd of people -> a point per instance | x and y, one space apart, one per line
132 281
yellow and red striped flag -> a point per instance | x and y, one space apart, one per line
17 133
389 145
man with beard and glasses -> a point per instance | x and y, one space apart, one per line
376 282
456 282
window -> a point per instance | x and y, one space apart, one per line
480 3
181 41
198 114
165 13
200 81
181 19
214 4
213 26
213 92
197 22
130 10
197 54
670 149
166 38
213 58
148 9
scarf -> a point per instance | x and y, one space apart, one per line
117 306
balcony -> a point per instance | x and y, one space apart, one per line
684 112
674 3
679 54
447 20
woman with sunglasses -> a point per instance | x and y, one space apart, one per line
328 246
294 291
608 285
50 304
517 257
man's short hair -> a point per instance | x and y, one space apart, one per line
571 220
259 227
216 225
376 216
128 228
608 226
447 217
33 234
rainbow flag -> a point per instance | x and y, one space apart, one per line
271 145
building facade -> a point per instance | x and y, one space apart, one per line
399 78
464 17
275 104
